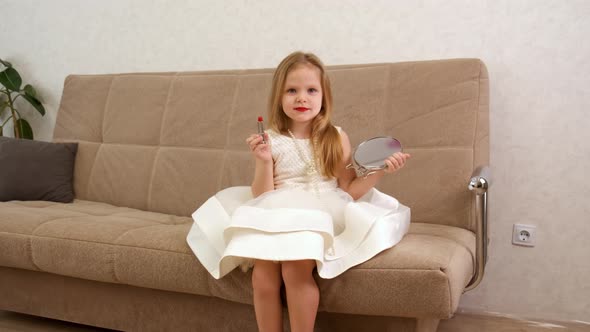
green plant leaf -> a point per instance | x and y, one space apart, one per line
11 79
30 90
24 128
6 64
35 102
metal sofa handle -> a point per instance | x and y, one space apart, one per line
479 183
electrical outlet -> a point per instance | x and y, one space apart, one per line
524 235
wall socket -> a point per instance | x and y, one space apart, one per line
524 235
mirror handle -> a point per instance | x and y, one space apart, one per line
360 171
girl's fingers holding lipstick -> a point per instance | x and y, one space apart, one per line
257 142
252 140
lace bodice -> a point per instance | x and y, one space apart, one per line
290 169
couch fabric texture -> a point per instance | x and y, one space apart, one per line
153 146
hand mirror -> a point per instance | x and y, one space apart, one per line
369 156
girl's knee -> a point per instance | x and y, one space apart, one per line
266 277
297 271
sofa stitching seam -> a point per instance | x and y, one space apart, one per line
449 282
444 237
30 250
154 222
97 242
30 239
191 254
437 109
114 255
104 111
158 147
117 214
386 100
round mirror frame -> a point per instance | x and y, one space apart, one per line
363 170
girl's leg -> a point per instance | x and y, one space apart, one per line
266 282
303 295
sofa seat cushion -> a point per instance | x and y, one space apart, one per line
422 276
101 242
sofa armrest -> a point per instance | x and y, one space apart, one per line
479 183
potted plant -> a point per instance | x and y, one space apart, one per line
10 91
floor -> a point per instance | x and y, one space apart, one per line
13 322
481 323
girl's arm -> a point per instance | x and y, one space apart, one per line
263 174
263 178
355 186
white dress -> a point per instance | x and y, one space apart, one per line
305 217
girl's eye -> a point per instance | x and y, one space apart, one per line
312 90
290 90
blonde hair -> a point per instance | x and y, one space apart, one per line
325 138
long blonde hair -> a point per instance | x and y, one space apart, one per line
325 138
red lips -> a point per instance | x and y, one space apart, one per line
301 109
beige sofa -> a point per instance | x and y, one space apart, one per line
154 146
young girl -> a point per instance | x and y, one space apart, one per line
304 210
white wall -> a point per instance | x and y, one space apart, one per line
539 73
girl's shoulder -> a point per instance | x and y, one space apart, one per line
339 130
273 134
343 136
276 139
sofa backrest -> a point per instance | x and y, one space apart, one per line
165 142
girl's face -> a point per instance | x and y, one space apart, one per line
302 94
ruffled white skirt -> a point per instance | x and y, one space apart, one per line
232 229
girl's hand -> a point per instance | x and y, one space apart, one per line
395 162
259 149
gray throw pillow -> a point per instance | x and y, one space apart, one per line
36 170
